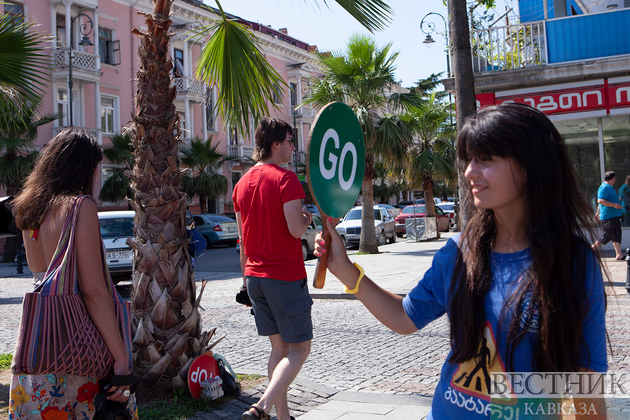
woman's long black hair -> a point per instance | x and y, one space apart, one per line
64 168
557 219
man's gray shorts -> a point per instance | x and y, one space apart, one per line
281 307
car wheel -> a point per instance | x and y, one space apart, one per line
304 251
208 244
381 239
392 240
400 235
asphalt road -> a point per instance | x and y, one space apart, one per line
219 258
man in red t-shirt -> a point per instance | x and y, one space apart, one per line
271 220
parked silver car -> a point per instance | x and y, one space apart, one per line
116 227
350 226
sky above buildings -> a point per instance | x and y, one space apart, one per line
329 27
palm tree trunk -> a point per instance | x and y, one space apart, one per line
166 322
465 101
368 242
429 204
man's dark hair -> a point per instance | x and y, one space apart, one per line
268 132
609 175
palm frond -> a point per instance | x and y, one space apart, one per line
232 60
24 66
374 15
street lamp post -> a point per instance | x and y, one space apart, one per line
85 42
429 39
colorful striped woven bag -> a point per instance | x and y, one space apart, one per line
56 333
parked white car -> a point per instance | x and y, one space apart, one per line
449 209
116 227
350 226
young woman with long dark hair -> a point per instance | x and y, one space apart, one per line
64 172
522 289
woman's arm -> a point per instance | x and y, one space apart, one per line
385 306
94 290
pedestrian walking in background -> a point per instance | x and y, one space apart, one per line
609 211
624 197
45 211
271 220
521 286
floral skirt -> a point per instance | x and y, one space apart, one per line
56 397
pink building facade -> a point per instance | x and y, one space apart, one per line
103 78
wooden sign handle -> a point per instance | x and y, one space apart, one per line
322 263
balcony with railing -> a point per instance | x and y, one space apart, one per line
240 151
195 89
306 111
81 61
551 42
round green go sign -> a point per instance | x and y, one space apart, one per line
336 159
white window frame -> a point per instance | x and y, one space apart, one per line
115 114
65 104
111 47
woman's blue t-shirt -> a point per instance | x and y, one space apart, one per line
462 391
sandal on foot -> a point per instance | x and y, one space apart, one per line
258 415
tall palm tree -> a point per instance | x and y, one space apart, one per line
167 326
166 321
362 76
204 161
432 155
118 186
23 68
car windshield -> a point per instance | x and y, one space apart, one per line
116 226
446 206
355 214
410 209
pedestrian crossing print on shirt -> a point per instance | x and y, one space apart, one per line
473 377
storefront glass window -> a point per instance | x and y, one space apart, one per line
583 145
617 146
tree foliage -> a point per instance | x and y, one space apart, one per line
362 76
118 186
204 162
24 69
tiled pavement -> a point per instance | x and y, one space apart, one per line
357 368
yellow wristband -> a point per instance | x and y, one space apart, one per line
356 288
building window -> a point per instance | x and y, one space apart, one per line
233 136
277 94
236 176
61 31
62 107
293 95
108 114
13 9
108 49
210 117
178 67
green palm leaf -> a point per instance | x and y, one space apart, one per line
372 14
23 66
202 179
232 60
